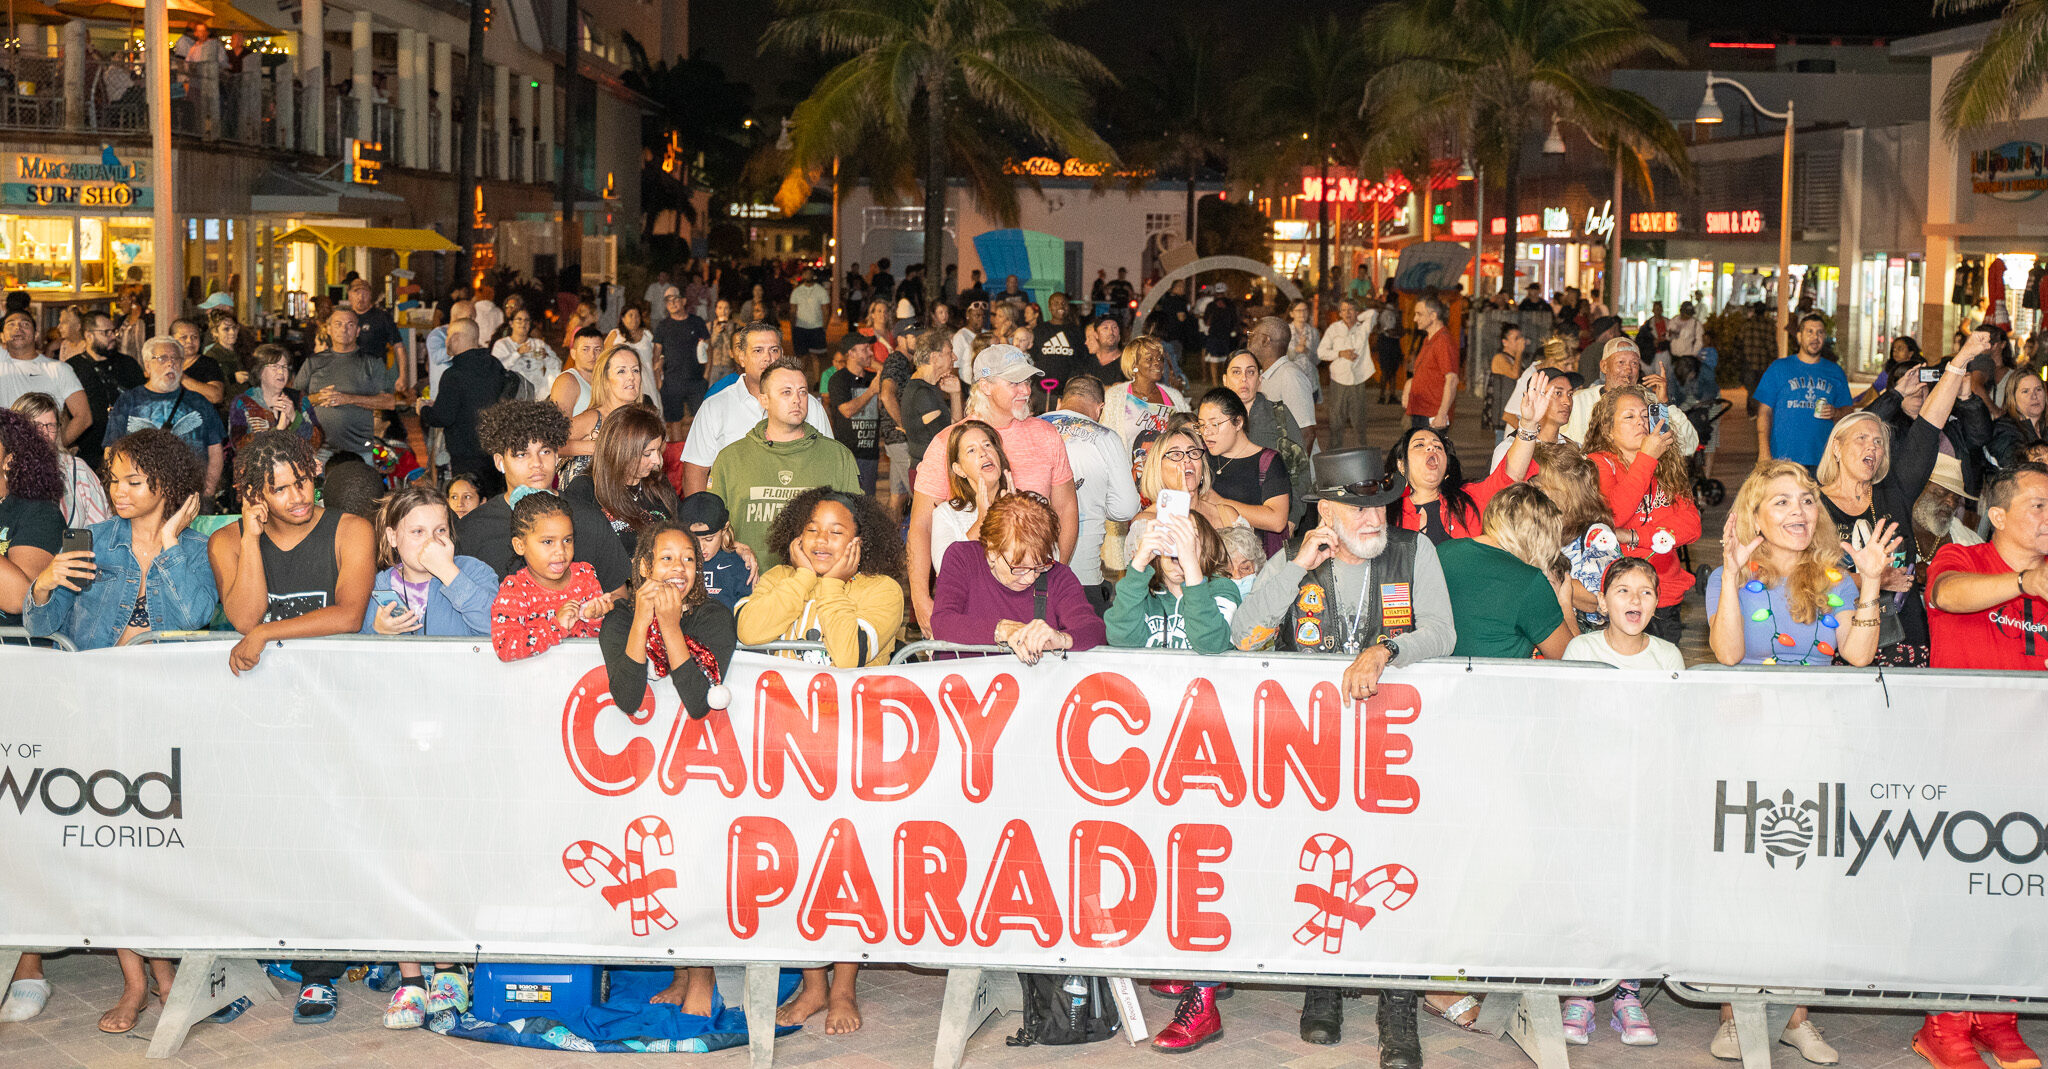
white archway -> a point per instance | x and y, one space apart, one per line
1211 263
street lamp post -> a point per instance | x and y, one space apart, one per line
166 257
1710 113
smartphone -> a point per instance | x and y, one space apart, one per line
1173 503
387 598
1930 375
78 540
1657 415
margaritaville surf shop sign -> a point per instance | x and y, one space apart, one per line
75 183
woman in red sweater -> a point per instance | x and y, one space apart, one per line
1643 477
1438 502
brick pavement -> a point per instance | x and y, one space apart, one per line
901 1009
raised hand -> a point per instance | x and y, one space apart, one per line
65 569
1875 555
176 522
848 563
1735 555
1317 546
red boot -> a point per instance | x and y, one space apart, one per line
1170 988
1945 1042
1196 1022
1999 1033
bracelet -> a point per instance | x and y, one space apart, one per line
1954 370
1861 622
1870 604
1526 436
2020 580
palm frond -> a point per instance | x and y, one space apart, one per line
2005 75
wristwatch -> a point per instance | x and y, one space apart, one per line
1387 644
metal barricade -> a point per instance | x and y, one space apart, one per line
19 636
924 648
1762 1013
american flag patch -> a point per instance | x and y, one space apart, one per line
1394 595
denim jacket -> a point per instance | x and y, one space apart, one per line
460 609
181 591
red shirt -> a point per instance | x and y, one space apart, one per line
1640 505
523 616
2011 636
1437 357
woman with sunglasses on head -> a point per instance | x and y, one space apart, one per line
1643 477
85 501
1178 460
524 353
1438 502
1143 403
1009 588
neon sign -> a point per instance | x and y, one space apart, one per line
1749 221
1653 222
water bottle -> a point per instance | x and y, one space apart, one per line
1076 988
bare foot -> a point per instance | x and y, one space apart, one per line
809 999
842 1014
672 995
122 1017
700 989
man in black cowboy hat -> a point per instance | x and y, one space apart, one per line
1367 587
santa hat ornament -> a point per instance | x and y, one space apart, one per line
719 696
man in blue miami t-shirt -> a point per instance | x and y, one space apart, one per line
1799 397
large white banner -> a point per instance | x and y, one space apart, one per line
1116 812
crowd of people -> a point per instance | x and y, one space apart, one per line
690 480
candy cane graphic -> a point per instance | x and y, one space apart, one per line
630 881
1321 925
1343 901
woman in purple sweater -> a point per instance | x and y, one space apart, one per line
1010 587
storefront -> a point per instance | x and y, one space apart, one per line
1556 246
74 226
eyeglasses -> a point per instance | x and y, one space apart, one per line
1024 571
1217 424
1181 456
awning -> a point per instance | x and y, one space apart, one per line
397 239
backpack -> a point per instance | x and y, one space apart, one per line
515 387
1055 1017
1296 459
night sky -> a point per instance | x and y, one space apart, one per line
728 31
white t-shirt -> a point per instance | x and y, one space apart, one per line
728 415
38 374
1287 383
534 362
1103 486
949 525
656 297
810 301
1659 655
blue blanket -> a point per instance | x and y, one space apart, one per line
625 1022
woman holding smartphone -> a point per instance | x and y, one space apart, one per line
143 570
1867 479
424 588
1643 478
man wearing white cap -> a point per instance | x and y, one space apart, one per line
1038 463
1621 364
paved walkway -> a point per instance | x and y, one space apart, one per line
901 1007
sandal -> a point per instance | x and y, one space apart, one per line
1455 1013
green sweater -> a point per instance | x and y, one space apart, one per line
756 477
1197 620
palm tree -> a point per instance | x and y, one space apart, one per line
1490 73
2006 74
1303 106
918 64
1174 112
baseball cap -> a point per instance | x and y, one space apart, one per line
218 300
1604 324
1004 362
703 509
1620 345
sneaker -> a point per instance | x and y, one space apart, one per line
1804 1037
1578 1021
317 1002
1632 1021
1195 1022
408 1008
231 1011
1726 1046
1999 1033
25 999
1946 1042
448 991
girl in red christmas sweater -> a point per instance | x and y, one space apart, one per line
1642 475
555 596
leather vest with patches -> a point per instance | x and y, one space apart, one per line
1314 623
